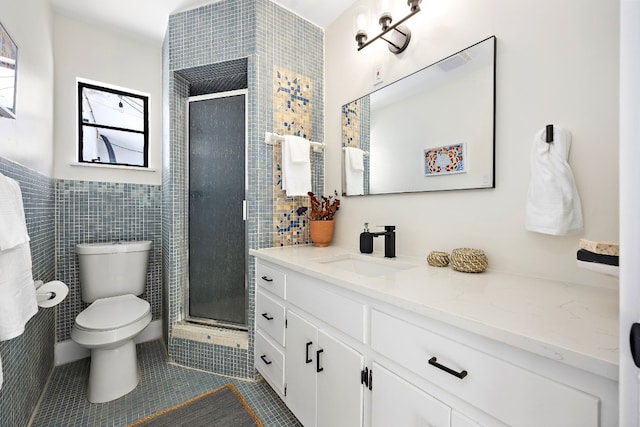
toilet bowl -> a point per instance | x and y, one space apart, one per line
107 327
111 275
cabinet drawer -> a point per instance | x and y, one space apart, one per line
512 394
270 278
270 317
337 310
269 361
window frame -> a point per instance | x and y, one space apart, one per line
81 84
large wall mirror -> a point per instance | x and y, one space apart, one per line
432 130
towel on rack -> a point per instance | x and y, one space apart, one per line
553 204
354 171
17 291
13 227
296 166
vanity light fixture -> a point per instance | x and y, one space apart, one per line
397 35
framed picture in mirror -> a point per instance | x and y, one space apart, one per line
8 74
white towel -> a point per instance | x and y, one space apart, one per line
553 204
296 166
18 301
354 171
13 227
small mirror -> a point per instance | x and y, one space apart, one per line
8 74
432 130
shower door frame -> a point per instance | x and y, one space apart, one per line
186 295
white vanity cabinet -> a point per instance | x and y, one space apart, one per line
340 355
270 325
511 394
323 385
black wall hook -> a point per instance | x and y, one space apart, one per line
549 133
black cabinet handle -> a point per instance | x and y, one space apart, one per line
461 374
267 279
266 316
318 368
307 359
264 359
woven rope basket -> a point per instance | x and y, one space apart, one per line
438 259
469 260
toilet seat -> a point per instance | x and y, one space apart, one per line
106 314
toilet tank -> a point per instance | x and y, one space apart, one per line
112 269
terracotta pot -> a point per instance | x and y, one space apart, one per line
321 232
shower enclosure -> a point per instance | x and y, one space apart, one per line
217 185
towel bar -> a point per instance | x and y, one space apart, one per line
365 153
272 138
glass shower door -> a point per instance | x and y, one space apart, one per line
217 248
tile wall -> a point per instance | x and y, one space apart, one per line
27 360
268 36
95 212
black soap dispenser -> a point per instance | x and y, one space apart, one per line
366 240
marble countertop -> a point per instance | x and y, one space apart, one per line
572 323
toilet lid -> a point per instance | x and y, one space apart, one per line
113 312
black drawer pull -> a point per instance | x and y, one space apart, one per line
461 375
267 279
266 316
264 359
307 360
318 368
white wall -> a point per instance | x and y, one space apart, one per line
557 62
88 51
28 139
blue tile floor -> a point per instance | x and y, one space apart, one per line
162 385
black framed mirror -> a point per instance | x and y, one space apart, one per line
433 130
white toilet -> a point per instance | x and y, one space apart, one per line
111 275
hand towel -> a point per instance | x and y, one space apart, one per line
13 227
296 166
354 171
18 301
553 204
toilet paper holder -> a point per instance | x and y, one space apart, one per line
51 293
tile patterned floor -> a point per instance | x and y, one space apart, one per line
161 386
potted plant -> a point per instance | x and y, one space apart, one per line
320 214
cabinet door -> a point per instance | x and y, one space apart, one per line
300 368
340 392
395 402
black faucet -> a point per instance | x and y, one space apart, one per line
389 234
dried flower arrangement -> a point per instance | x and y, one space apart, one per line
323 209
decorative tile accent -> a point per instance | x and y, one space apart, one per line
356 133
27 360
292 115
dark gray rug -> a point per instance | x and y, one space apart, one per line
222 407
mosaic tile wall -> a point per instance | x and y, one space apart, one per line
267 35
292 115
27 360
93 212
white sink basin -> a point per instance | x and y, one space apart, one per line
364 266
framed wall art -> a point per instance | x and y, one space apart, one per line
8 74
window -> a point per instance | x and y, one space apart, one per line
113 126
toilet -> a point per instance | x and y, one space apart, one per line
111 277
